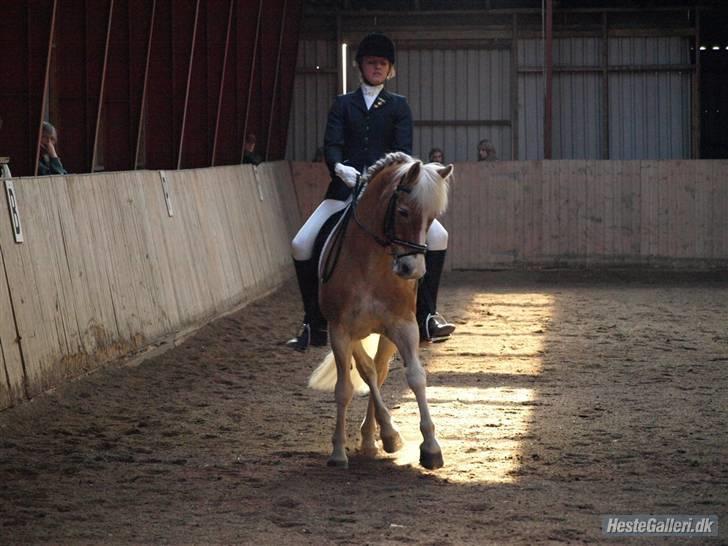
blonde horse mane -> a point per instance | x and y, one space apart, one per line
430 192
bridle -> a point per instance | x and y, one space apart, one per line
390 239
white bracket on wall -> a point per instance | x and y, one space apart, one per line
165 190
14 211
257 183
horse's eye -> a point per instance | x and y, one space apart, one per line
404 213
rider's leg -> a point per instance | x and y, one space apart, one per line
314 324
433 326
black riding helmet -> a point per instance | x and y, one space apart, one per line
375 45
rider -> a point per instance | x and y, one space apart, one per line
362 127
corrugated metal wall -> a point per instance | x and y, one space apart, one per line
314 89
459 96
577 100
649 112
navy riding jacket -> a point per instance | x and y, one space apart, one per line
359 137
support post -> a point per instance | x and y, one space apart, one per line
102 87
187 90
548 68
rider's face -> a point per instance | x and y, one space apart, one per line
375 70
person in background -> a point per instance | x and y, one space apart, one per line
249 155
362 127
486 151
49 162
436 156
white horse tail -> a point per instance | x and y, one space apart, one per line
323 377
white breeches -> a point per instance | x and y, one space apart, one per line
303 242
436 236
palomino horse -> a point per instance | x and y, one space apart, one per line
372 289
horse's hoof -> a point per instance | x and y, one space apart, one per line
337 463
370 450
431 461
392 444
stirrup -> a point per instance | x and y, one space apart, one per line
308 337
436 329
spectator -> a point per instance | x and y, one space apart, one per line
249 155
486 151
49 162
436 156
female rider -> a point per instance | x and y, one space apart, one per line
362 127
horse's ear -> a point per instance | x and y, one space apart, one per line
444 172
413 174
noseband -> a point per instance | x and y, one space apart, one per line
390 238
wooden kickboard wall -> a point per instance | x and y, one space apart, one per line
532 214
105 271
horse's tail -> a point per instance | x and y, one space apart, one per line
323 377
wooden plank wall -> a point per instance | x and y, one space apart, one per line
105 271
523 214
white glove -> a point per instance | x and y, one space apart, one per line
347 174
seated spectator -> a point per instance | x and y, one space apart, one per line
436 156
249 155
486 151
49 162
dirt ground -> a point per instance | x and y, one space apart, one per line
562 397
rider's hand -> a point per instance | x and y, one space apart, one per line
347 174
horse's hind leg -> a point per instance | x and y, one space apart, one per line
368 428
407 341
391 438
374 373
343 392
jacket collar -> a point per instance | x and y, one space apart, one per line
382 99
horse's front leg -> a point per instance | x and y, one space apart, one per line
343 392
406 336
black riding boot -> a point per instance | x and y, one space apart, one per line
314 325
433 326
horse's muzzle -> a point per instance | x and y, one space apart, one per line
410 267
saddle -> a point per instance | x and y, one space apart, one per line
328 243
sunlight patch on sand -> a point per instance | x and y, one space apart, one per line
479 405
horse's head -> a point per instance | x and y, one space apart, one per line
418 196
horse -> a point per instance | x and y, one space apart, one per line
372 290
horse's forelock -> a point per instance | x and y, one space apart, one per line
430 191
